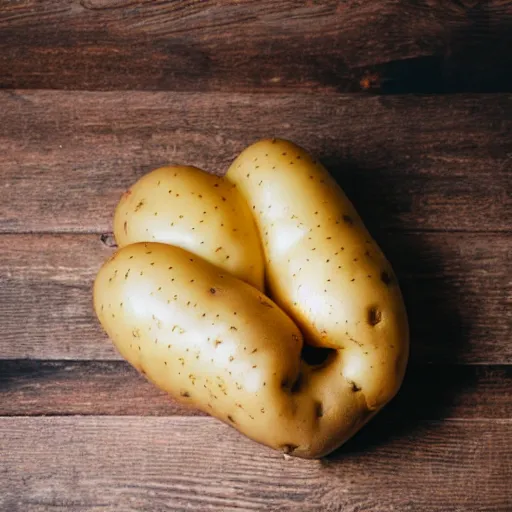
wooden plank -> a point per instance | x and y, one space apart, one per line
146 464
429 392
420 163
456 286
383 45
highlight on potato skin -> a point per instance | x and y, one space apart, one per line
198 331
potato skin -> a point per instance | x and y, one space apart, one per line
189 208
323 267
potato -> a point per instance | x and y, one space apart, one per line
189 208
198 331
215 342
323 267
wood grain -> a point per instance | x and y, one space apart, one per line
257 45
429 392
146 464
456 286
408 163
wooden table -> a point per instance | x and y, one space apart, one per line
98 92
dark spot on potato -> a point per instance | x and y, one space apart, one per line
125 226
385 278
140 204
319 409
230 418
374 316
185 394
354 386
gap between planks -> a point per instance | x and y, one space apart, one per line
429 392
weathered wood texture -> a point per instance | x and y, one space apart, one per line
350 45
456 285
429 392
147 464
425 163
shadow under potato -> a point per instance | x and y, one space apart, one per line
438 333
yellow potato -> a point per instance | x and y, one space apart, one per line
203 335
213 341
189 208
323 267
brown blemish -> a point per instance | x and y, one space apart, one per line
185 394
354 386
374 316
319 409
230 418
348 219
385 278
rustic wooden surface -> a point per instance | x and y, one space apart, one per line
147 464
97 92
407 163
387 46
